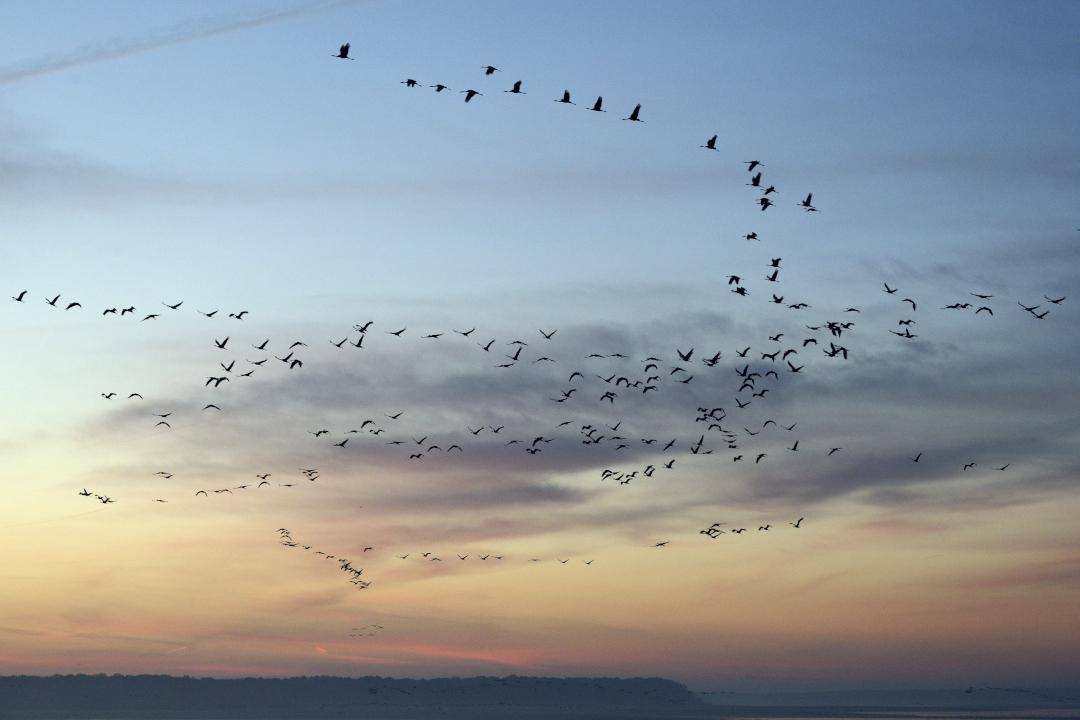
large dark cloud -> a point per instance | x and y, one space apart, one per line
965 391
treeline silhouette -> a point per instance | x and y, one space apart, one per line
149 697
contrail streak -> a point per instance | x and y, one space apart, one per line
38 522
162 37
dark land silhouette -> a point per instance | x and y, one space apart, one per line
163 697
157 697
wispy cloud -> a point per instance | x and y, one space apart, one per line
163 37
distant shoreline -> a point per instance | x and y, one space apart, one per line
164 697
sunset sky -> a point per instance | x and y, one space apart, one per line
215 154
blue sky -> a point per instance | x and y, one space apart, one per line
215 154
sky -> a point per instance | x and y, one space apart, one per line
217 155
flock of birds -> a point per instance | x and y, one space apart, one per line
343 564
754 374
765 202
592 384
